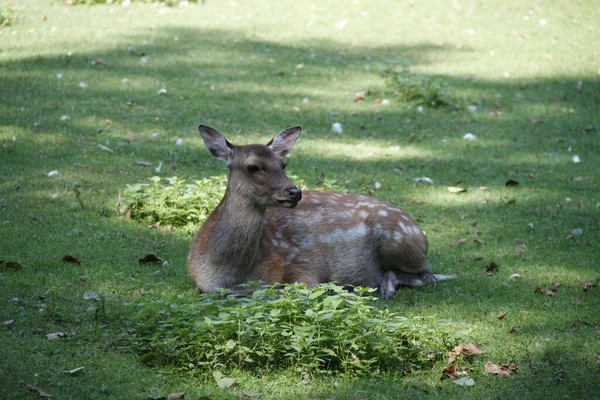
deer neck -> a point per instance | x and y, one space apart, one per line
237 236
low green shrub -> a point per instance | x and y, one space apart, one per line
418 89
172 201
7 15
320 331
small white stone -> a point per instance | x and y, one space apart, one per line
65 118
53 173
144 60
83 85
336 127
469 136
377 185
179 142
341 24
59 75
576 159
472 108
530 225
305 100
424 179
567 199
420 109
577 232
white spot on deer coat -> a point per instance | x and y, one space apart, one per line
402 226
397 236
363 214
383 213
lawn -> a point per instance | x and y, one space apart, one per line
110 95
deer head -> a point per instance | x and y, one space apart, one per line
256 172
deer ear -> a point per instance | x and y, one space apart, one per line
284 141
216 143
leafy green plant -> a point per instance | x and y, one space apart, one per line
7 15
322 330
173 201
418 89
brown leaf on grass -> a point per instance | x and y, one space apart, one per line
144 163
11 264
491 269
546 292
37 390
59 335
359 96
449 372
502 315
587 286
511 182
464 350
250 394
150 258
458 242
175 396
98 61
70 259
499 369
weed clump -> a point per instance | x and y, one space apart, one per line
419 89
323 330
172 202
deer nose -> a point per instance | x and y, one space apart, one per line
293 193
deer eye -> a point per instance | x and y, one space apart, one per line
252 168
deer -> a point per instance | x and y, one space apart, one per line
266 229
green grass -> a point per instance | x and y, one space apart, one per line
242 67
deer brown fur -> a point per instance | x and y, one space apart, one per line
266 229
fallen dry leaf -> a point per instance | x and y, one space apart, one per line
251 394
70 259
145 163
359 96
175 396
37 390
449 372
491 269
464 350
502 315
587 286
458 242
499 369
11 264
546 292
58 335
150 258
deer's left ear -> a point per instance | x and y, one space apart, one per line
283 142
